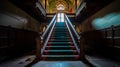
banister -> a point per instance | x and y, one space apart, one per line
45 44
42 37
78 37
72 38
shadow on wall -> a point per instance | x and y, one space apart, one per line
107 21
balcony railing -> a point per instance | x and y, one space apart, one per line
41 8
80 8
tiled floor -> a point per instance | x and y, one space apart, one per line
98 62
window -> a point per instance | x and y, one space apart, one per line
60 17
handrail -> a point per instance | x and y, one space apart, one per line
83 4
48 28
78 37
79 5
72 38
45 44
52 23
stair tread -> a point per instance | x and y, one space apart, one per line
60 46
60 50
60 55
60 42
60 37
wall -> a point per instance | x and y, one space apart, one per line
8 19
111 8
20 20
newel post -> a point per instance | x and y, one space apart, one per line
81 46
38 47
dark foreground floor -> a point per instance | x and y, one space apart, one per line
97 61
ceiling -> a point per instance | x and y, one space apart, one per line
92 6
69 5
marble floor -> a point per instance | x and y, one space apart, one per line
96 61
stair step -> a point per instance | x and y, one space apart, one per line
60 57
60 52
60 43
60 48
60 37
57 35
60 28
62 33
57 40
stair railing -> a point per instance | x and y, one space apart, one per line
72 32
46 35
71 25
75 38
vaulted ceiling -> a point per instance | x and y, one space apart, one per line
51 5
92 6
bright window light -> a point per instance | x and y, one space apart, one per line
60 17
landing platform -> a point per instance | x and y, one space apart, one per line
23 61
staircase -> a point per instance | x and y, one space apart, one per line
60 45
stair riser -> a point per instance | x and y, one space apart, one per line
60 48
60 53
59 40
60 59
60 45
60 37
